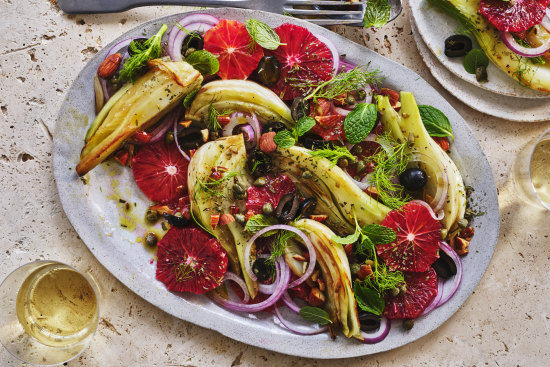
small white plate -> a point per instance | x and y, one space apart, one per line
434 27
498 105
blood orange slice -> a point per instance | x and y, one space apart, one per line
190 261
330 124
303 59
421 290
230 42
275 188
417 243
514 16
160 172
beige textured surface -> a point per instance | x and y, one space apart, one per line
504 323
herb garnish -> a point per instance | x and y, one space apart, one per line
143 52
377 13
360 122
204 62
332 154
435 121
190 97
262 34
315 314
211 187
258 222
278 246
285 139
213 123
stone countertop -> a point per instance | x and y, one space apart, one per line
505 322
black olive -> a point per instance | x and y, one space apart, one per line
259 163
313 142
268 70
189 141
307 207
274 126
176 220
369 321
444 267
138 42
457 45
413 179
192 40
299 108
261 269
287 209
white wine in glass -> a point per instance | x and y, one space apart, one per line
540 170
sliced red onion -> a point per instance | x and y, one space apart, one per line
333 51
341 111
191 18
161 128
437 298
378 335
368 91
284 277
174 45
240 282
252 130
513 45
362 185
294 329
307 242
177 142
290 303
438 202
546 20
346 66
437 217
450 286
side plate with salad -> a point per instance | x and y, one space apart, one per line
106 201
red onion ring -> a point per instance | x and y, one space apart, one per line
333 51
442 192
546 20
290 303
341 111
437 298
191 18
177 142
284 278
294 329
307 242
252 130
346 66
240 282
174 45
449 289
513 45
438 217
379 335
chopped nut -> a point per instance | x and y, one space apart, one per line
319 217
185 123
226 219
364 271
461 246
298 257
442 142
315 275
214 220
321 284
109 66
205 134
372 191
267 144
348 248
223 119
467 233
316 297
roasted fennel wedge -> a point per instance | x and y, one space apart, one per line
333 261
336 193
210 197
406 125
140 106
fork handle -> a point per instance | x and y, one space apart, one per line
114 6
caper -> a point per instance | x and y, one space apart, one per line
462 222
239 218
361 94
408 324
394 292
350 99
238 191
169 137
361 166
481 74
151 239
444 233
354 268
357 149
259 182
267 209
343 162
307 175
269 70
151 216
403 289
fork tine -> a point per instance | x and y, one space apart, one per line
322 12
323 2
356 22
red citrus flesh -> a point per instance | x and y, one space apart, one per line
274 189
190 261
417 243
303 59
421 291
330 124
160 172
514 16
230 42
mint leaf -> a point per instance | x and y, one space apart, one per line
352 238
368 299
365 247
263 34
258 222
315 314
204 62
435 121
377 13
360 122
379 235
189 98
475 58
303 125
284 139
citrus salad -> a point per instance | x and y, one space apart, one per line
286 179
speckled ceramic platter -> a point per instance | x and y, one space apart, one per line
92 205
434 27
498 105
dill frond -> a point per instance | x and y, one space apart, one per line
213 114
278 246
333 154
210 187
